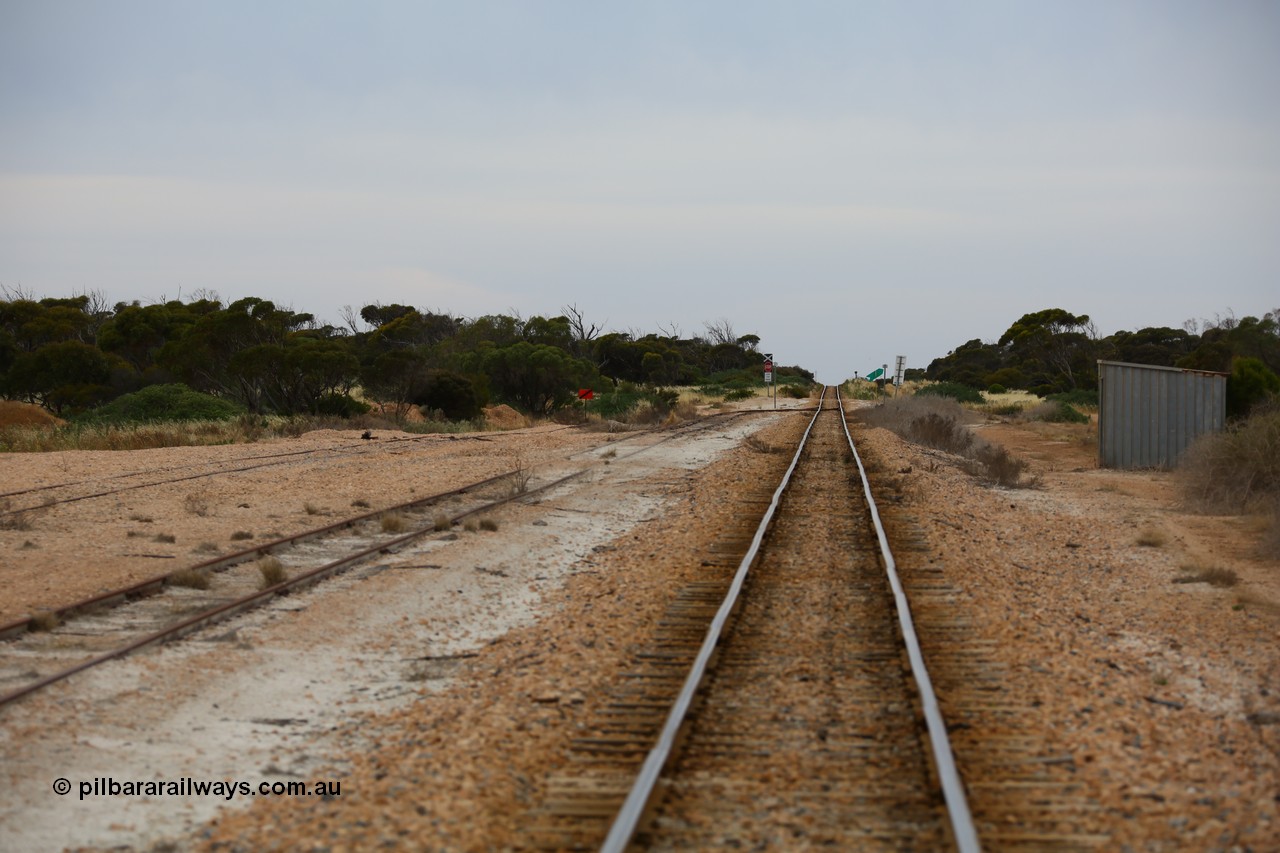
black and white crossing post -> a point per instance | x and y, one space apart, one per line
768 378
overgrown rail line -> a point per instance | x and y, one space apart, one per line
157 583
217 468
781 703
96 633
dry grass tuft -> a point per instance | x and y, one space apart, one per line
1269 542
18 519
900 414
1236 470
488 524
207 548
360 503
1055 412
139 517
312 509
1253 601
471 525
685 410
521 473
394 522
167 538
1215 576
1001 468
938 422
272 571
759 445
1152 537
189 578
442 523
241 535
196 503
44 620
940 431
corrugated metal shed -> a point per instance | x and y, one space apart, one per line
1148 415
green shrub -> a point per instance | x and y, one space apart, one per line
627 399
1250 383
341 405
738 378
860 391
996 388
1009 377
1076 397
158 403
954 390
452 394
438 426
797 392
739 394
1057 412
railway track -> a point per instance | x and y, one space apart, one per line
164 476
783 702
38 651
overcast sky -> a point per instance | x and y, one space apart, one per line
849 180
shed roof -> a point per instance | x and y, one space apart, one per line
1162 367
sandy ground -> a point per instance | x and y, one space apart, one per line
440 686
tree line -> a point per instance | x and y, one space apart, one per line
1055 351
75 353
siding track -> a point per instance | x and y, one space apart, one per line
121 621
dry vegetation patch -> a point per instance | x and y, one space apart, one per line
394 522
1215 576
941 423
15 414
189 578
1152 538
272 571
1238 471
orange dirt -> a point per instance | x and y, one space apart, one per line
25 415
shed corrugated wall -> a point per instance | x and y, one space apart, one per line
1148 415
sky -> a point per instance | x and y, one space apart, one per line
849 180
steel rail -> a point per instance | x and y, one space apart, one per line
962 826
633 808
